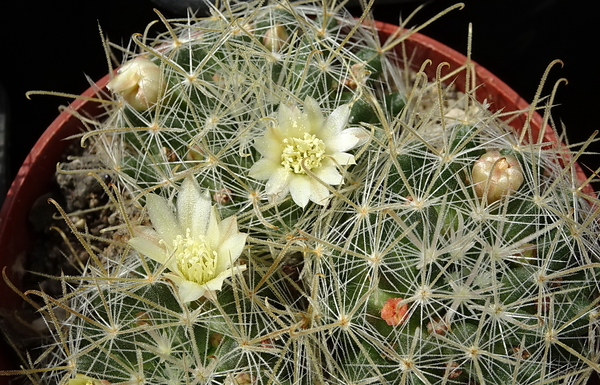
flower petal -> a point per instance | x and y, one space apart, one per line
337 120
329 175
187 198
287 117
313 114
148 233
149 249
279 181
212 230
230 250
300 189
162 217
201 215
217 282
359 132
263 169
190 291
343 158
228 228
318 193
270 144
341 142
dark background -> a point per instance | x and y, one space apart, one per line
53 45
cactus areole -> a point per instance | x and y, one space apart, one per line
378 226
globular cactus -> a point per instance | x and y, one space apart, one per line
316 219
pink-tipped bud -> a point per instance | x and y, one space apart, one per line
394 312
495 175
138 83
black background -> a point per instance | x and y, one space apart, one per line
53 45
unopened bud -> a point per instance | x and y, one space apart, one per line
495 175
275 37
138 83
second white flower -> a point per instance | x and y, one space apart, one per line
303 150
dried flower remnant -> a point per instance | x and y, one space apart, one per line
394 312
197 247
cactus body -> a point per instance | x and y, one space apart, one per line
390 209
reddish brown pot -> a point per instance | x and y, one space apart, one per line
32 181
35 176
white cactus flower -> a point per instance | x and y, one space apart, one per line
301 142
496 175
138 82
198 249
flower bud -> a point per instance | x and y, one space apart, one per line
495 175
138 82
275 37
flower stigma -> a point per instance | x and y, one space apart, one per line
308 151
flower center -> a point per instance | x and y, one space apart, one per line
307 151
195 259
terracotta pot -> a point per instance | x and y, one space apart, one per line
35 176
32 181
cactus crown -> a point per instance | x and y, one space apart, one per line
316 217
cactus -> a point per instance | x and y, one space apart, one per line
368 236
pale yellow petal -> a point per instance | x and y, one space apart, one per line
343 158
270 145
228 227
337 120
279 181
263 169
230 250
286 119
148 233
319 194
314 114
162 218
200 215
341 143
217 282
329 175
188 197
190 291
149 249
300 189
212 230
